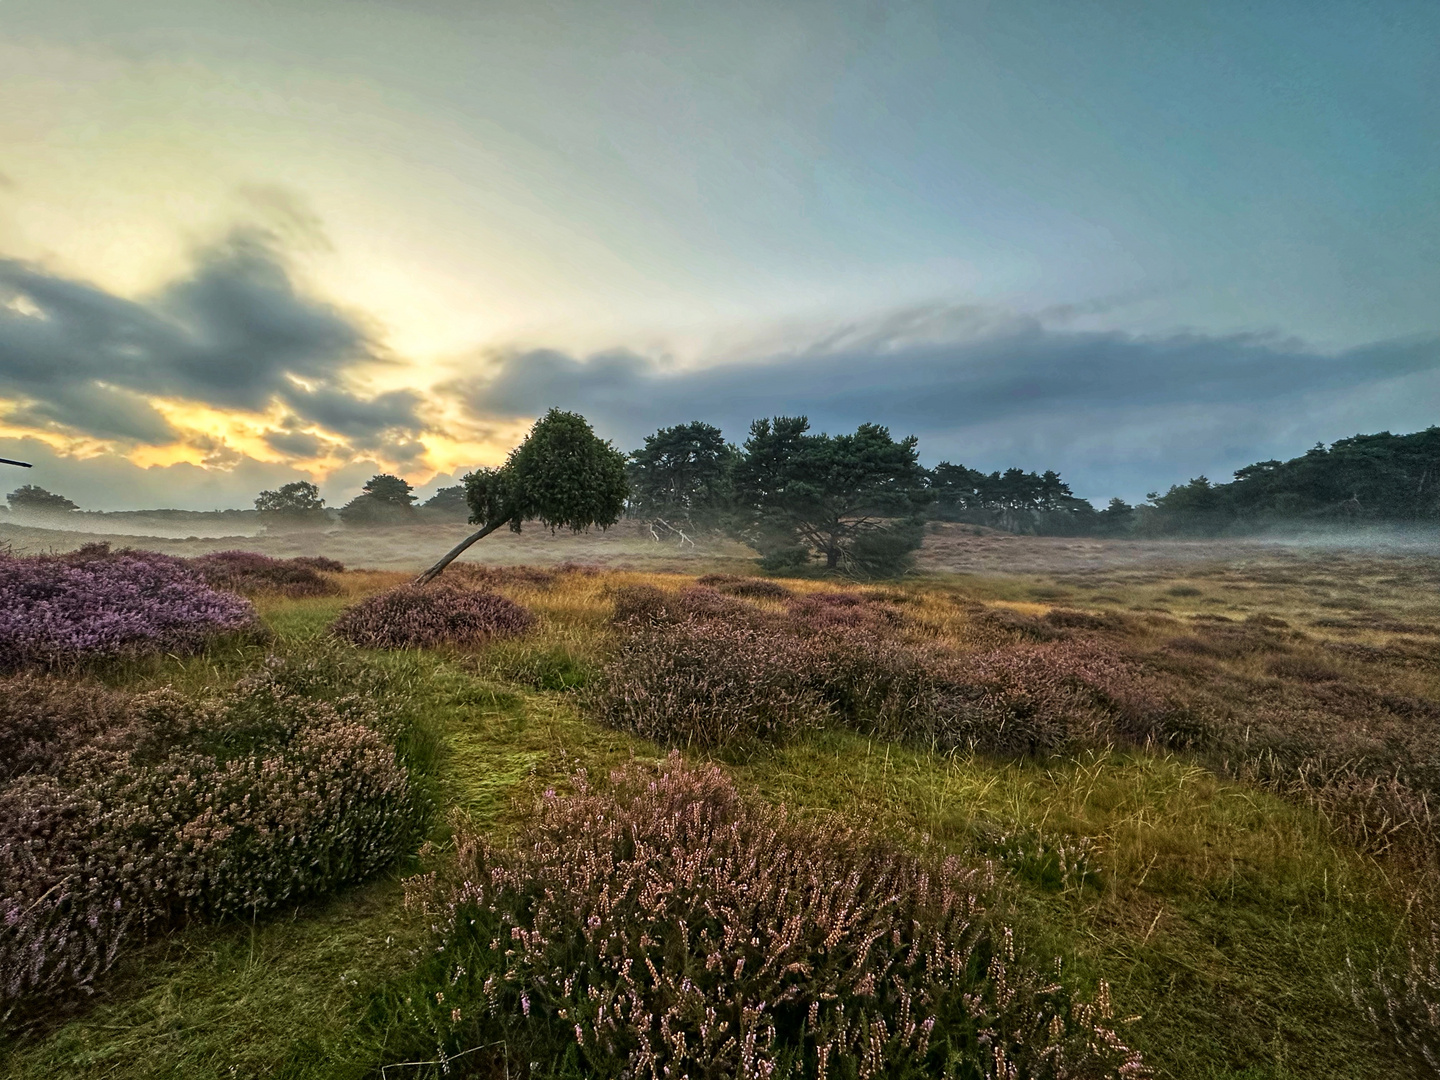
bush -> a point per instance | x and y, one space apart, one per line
321 563
750 587
670 927
414 617
636 605
99 605
708 682
248 572
123 814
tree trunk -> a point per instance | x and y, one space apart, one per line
832 557
434 571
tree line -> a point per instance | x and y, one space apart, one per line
855 501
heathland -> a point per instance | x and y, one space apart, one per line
1094 807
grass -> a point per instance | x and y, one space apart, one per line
1220 913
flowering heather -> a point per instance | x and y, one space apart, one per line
669 927
487 576
122 814
58 610
413 617
750 587
820 611
697 668
637 605
708 682
248 572
321 563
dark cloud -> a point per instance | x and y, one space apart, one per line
298 444
235 333
1117 411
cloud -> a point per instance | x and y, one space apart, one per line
234 334
299 444
1119 413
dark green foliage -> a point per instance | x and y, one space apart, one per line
384 500
296 504
1380 478
562 475
683 475
29 499
887 552
447 504
1014 500
822 493
386 488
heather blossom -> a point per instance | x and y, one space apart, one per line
55 610
666 925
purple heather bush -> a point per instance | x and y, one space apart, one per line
667 926
249 572
98 605
123 814
708 683
412 617
698 668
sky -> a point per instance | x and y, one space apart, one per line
243 243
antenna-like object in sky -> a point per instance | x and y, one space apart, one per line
22 464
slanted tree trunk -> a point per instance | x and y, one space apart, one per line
435 571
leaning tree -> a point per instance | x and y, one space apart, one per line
563 476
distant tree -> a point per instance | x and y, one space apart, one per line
384 500
563 476
386 488
830 495
1116 519
1015 499
30 499
447 504
296 504
683 477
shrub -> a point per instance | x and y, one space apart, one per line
1042 699
248 572
707 682
99 605
414 617
818 611
123 814
750 587
485 576
670 927
640 604
321 563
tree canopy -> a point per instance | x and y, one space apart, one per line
832 495
563 476
1365 478
683 475
31 499
384 500
297 503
